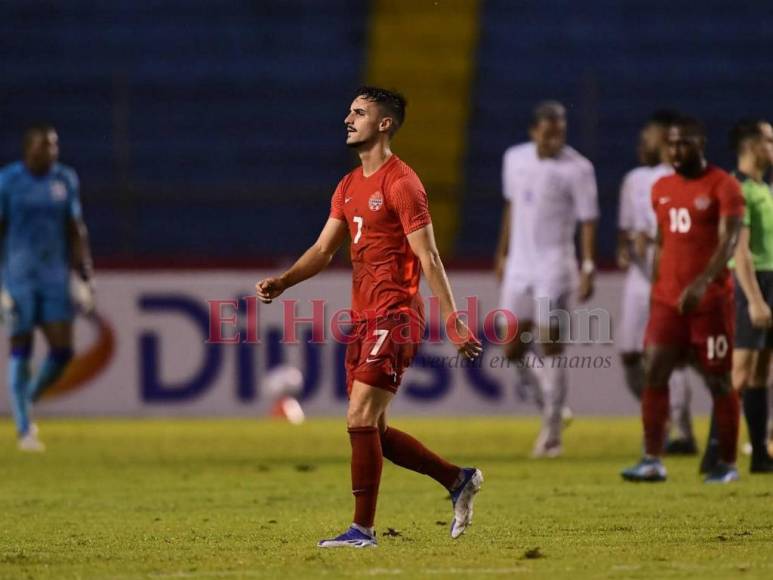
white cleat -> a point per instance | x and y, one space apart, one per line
462 499
545 447
550 451
567 416
30 442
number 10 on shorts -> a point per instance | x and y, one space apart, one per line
716 347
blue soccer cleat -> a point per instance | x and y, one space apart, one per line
355 537
649 469
462 498
722 473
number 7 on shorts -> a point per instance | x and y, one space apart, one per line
382 335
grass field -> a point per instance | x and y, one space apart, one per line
232 499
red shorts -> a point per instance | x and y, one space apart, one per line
381 350
708 332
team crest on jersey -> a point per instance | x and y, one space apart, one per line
58 191
702 202
375 201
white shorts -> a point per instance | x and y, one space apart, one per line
534 301
635 310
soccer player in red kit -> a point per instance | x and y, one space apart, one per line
699 211
383 206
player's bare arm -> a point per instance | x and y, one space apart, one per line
641 243
624 231
759 311
311 263
623 253
504 239
80 248
82 264
729 229
658 242
423 244
587 252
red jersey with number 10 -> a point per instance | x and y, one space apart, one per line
381 210
688 213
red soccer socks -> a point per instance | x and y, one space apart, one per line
367 461
405 451
727 414
654 415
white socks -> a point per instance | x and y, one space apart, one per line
553 384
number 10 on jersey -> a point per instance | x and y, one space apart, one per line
680 220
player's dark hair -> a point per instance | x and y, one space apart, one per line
546 110
744 130
33 130
392 103
663 117
690 125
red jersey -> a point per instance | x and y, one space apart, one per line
688 213
381 210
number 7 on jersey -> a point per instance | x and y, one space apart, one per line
358 220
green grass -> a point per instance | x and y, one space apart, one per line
232 499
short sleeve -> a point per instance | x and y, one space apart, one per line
506 181
337 202
585 193
731 202
408 200
655 195
625 217
74 197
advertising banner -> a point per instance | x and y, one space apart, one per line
152 351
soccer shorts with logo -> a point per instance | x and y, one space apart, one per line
37 304
629 333
746 335
381 349
707 332
534 302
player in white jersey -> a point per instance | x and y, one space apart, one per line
549 188
637 227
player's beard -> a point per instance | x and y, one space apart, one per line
359 143
690 167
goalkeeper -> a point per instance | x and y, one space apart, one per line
43 238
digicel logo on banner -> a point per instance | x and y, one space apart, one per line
235 324
169 344
213 318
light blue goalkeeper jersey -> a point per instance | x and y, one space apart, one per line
36 211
